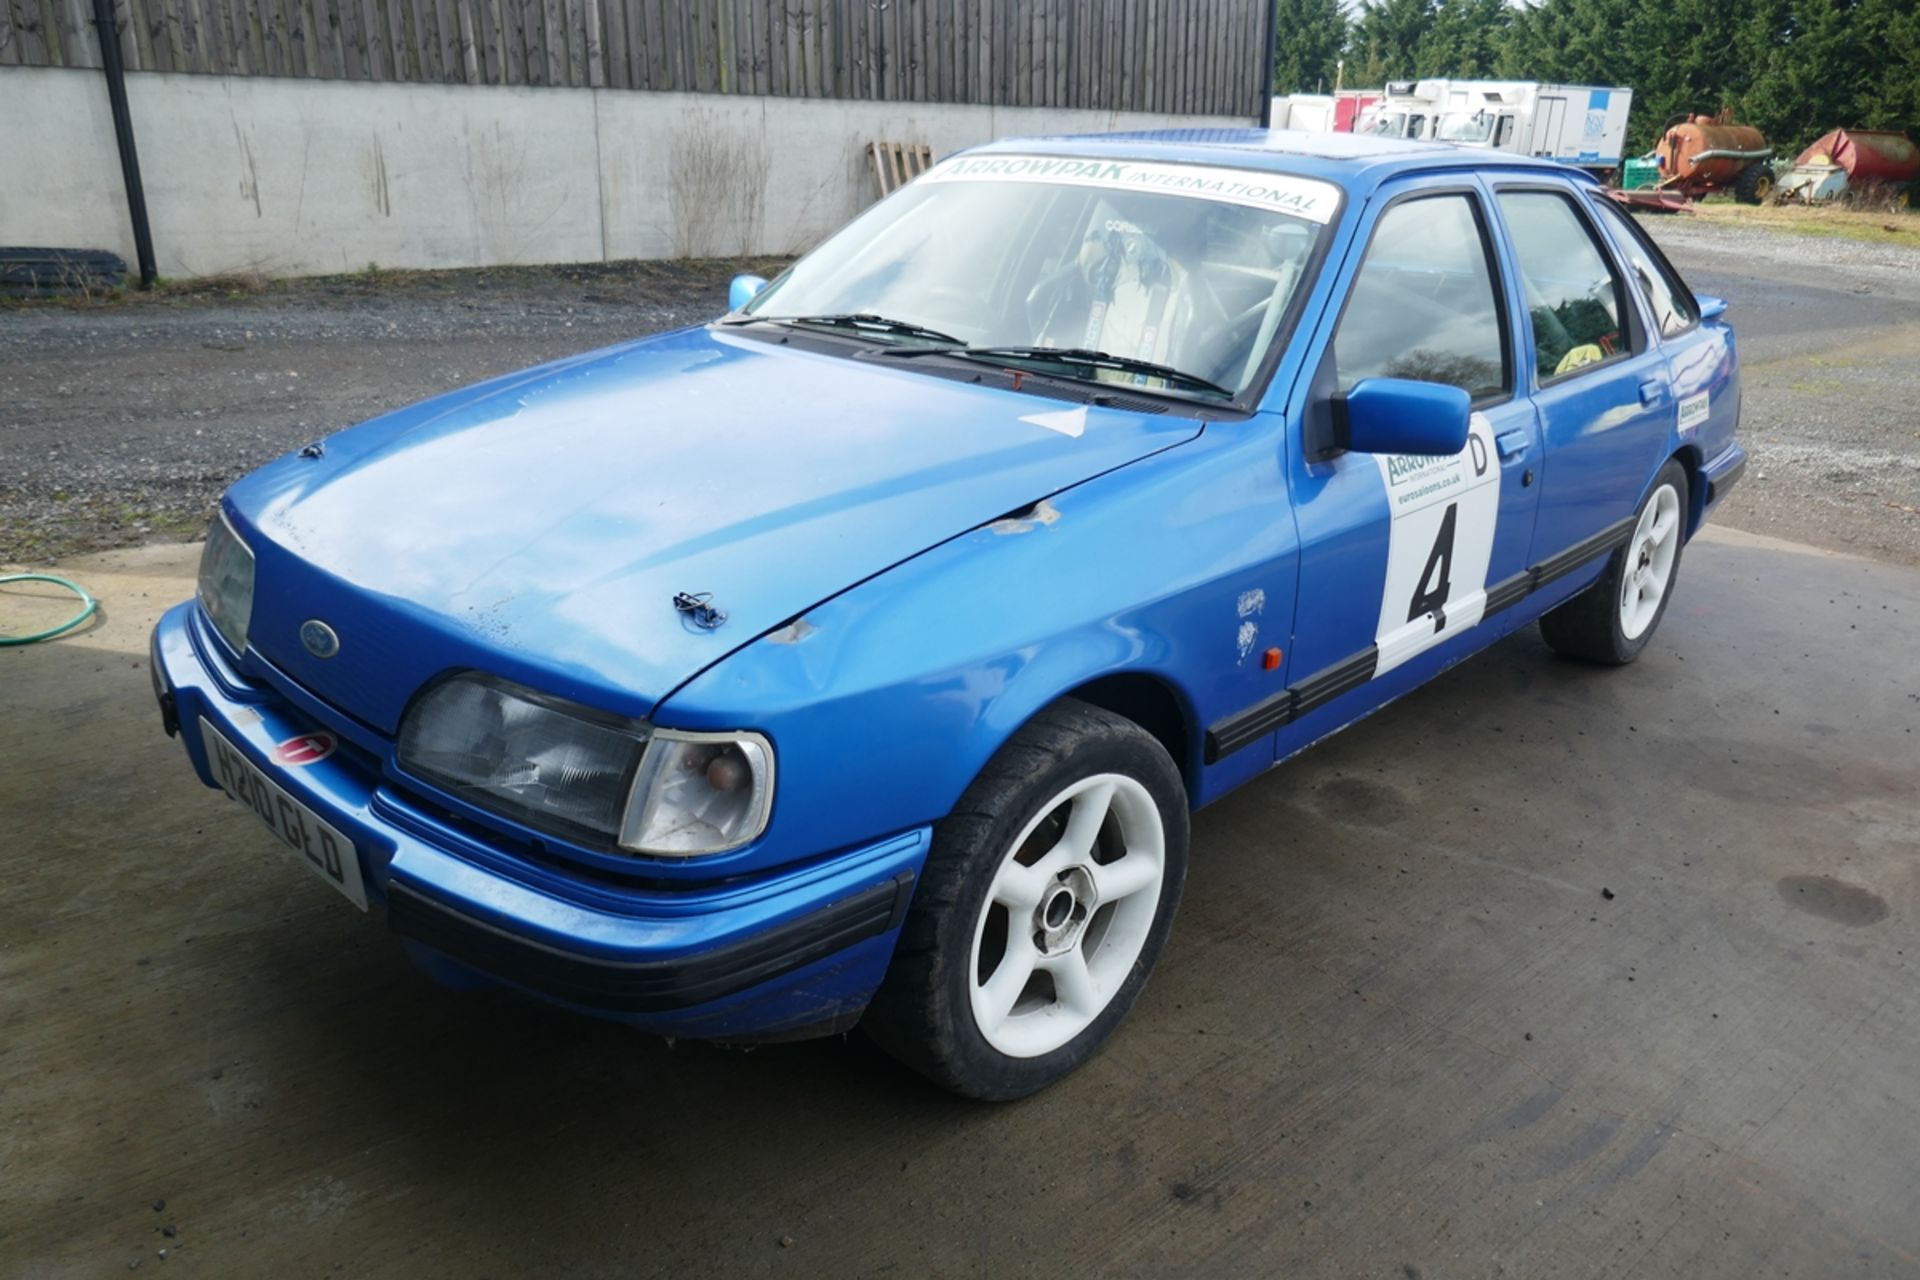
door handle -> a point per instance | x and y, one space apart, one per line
1652 392
1512 444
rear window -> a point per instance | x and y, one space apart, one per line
1668 298
1574 297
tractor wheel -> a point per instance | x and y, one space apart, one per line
1754 184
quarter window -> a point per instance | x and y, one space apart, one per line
1573 294
1423 305
1671 302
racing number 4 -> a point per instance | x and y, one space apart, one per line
1442 513
1435 584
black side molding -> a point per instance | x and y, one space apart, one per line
1581 552
648 986
1224 737
1243 728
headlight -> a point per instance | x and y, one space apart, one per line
226 582
505 747
598 778
700 793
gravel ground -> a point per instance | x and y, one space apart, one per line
1829 334
121 423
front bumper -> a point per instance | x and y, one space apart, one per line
797 949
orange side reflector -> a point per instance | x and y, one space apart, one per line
1271 660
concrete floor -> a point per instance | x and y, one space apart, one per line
1543 971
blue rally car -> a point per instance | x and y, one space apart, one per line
860 655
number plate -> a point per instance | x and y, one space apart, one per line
316 845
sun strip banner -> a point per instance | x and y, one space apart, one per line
1283 193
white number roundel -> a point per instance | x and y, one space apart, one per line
1441 538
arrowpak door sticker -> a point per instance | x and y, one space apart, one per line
1282 193
1693 412
1439 542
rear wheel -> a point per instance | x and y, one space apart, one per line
1754 184
1612 620
1044 903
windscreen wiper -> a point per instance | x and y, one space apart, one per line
867 322
1077 358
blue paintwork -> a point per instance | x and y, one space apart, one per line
898 605
741 290
1394 415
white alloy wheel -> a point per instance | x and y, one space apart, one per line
1068 912
1651 553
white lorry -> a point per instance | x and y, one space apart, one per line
1580 125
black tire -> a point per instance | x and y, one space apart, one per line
923 1014
1588 626
1754 184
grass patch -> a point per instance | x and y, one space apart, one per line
1870 226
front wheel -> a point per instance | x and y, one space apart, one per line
1044 903
1612 620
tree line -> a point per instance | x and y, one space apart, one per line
1792 68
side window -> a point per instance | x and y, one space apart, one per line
1423 305
1502 132
1573 293
1671 302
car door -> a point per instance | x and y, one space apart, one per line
1398 552
1699 357
1601 389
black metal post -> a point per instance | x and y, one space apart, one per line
1266 64
123 133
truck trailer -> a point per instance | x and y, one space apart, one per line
1580 125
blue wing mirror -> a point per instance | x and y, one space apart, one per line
1396 415
742 290
1711 308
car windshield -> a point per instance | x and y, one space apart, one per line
1188 268
1462 126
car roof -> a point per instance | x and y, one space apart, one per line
1357 162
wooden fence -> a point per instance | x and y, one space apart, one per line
1198 56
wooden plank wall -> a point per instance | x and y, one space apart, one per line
1198 56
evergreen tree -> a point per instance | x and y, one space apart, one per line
1386 39
1791 68
1464 40
1309 37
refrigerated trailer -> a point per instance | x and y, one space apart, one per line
1580 125
1323 112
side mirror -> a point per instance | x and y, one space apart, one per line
1397 415
742 290
1711 308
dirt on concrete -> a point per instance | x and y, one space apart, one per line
121 422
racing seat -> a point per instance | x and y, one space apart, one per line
1122 295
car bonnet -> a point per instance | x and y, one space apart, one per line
541 526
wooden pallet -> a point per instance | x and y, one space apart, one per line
895 164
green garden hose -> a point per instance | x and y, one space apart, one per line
87 605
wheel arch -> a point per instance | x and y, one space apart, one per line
1157 705
1691 461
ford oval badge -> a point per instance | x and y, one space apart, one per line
319 638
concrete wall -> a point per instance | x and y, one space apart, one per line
303 177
